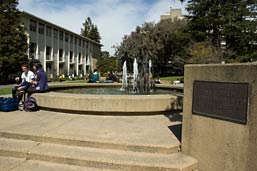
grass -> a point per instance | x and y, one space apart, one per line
169 80
4 91
76 81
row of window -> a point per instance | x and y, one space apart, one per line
41 30
48 53
80 59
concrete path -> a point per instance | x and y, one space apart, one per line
130 130
22 164
30 140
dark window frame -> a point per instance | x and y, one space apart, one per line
33 25
41 28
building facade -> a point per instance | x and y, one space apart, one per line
60 51
173 14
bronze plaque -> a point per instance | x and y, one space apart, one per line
223 100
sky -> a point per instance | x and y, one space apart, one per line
114 18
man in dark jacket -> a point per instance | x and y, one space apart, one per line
40 84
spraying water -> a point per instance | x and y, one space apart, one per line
141 83
150 76
124 76
135 75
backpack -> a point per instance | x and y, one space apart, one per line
30 105
8 104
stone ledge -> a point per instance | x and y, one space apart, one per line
106 103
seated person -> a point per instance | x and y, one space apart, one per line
94 77
109 77
26 77
157 81
39 84
176 82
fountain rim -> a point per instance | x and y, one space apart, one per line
122 104
82 85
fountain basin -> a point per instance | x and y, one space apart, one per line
105 104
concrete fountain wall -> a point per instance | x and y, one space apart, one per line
106 104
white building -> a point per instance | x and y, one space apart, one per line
173 14
59 50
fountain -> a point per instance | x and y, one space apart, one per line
141 84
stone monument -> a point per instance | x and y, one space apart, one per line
220 116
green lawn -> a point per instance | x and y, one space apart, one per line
5 91
171 79
76 81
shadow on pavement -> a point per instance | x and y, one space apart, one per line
176 130
174 116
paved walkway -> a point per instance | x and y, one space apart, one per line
143 130
34 140
139 133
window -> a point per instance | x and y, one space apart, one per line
79 42
48 31
60 54
32 50
55 33
61 35
83 43
41 28
48 53
71 39
75 40
32 25
71 57
66 37
80 61
87 44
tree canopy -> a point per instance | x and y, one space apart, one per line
165 43
233 23
105 64
90 30
13 41
214 31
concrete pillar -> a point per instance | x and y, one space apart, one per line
68 57
37 49
58 51
44 58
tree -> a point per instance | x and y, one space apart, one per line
106 64
165 43
94 34
233 22
137 45
204 52
90 30
87 26
13 41
105 54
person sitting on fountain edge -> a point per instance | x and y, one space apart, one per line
110 77
27 78
39 84
94 77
